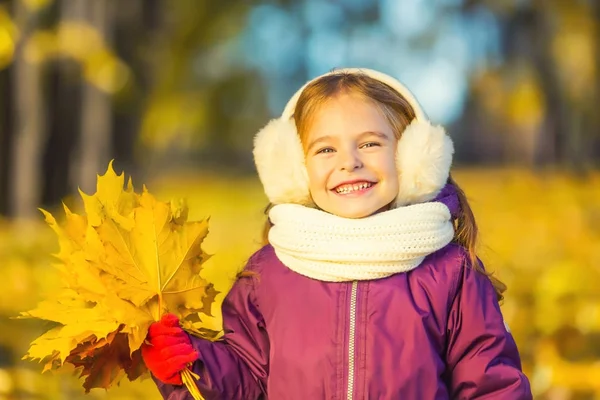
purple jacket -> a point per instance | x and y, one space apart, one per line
433 333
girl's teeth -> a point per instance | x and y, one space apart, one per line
351 188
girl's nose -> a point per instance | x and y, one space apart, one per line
349 161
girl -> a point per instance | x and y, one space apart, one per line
369 287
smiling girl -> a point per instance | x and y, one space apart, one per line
369 286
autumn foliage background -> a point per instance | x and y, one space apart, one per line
174 90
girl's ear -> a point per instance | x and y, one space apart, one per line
280 163
423 161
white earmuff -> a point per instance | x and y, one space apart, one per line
423 157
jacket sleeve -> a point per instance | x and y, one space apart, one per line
482 356
236 366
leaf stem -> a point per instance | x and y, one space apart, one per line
160 303
187 378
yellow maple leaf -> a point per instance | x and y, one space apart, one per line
110 200
124 264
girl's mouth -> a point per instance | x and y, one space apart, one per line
353 188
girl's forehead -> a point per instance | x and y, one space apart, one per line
347 110
347 98
347 118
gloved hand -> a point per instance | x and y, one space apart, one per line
168 350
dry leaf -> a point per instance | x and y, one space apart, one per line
124 264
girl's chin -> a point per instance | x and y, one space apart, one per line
355 212
348 206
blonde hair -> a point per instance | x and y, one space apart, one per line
396 109
399 114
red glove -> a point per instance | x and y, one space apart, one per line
168 350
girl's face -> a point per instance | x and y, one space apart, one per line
350 157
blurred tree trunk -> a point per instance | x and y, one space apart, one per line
581 113
553 138
29 136
94 147
63 103
136 28
595 148
5 135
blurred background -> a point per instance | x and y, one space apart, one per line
174 91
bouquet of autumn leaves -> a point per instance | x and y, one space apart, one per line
127 262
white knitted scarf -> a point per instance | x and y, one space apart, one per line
329 248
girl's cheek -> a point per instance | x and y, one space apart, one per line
321 164
315 172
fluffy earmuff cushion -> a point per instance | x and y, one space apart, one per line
279 159
423 160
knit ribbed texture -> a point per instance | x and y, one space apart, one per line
329 248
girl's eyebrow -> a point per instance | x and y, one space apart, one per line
318 140
378 134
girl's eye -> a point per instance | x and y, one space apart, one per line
370 144
325 150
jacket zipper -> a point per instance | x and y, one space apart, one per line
351 339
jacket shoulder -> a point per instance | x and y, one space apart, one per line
447 265
461 271
450 258
261 257
263 265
